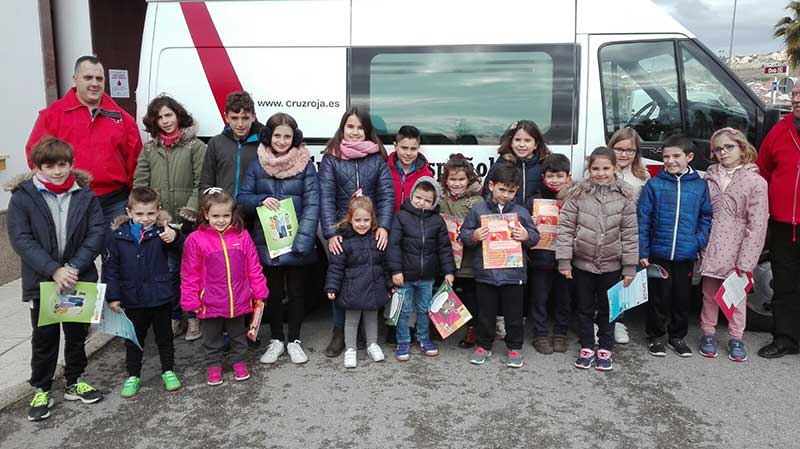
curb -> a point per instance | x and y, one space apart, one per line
8 396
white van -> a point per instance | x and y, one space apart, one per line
460 70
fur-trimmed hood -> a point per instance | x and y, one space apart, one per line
587 186
187 135
83 178
162 220
472 190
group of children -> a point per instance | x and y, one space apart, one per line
380 217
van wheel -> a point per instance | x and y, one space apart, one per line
759 312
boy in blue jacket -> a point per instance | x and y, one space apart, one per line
139 280
500 284
674 224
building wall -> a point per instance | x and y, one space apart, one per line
73 36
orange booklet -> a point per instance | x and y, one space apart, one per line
255 322
453 230
500 250
545 216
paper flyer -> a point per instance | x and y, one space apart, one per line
255 321
732 291
499 249
395 306
453 230
621 299
279 226
447 312
117 323
80 304
545 217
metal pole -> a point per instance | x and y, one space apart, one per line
733 23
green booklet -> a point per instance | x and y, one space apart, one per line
280 227
80 304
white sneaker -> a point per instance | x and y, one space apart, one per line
621 334
274 351
500 328
296 352
375 352
350 359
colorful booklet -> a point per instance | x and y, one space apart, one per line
545 216
447 312
732 292
453 230
279 226
621 298
117 323
255 321
81 304
500 250
395 306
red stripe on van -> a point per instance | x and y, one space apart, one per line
219 70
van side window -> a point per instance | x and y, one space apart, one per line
466 95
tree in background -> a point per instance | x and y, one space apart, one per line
788 28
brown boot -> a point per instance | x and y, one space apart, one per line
559 343
470 339
543 345
336 346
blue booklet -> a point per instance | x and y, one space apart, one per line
117 323
621 299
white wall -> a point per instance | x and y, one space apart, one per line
73 36
22 86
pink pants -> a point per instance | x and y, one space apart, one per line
710 312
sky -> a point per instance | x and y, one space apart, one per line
710 21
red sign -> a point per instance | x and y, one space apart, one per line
772 70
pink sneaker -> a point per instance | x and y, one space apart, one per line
240 371
214 375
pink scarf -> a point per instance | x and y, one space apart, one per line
357 150
170 139
284 165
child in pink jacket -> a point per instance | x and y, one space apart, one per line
221 277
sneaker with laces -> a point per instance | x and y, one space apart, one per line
193 330
585 359
375 352
214 376
170 379
350 358
736 350
130 387
708 346
241 371
178 328
514 359
40 405
621 334
680 347
402 352
296 353
500 328
480 356
656 348
429 348
274 350
82 391
603 361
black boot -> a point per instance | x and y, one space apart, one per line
336 346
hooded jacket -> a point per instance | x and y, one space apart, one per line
779 163
137 272
220 273
404 184
227 159
106 143
531 182
358 274
174 173
298 182
739 226
32 232
419 246
460 205
674 216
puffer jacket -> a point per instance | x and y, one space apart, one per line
531 182
739 226
220 273
460 206
33 235
137 273
299 183
497 276
340 178
358 274
419 246
403 185
227 159
674 216
597 230
779 163
174 173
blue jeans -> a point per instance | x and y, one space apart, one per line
418 294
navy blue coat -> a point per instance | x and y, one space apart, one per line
419 246
32 233
138 274
340 178
358 274
529 185
664 198
497 276
303 189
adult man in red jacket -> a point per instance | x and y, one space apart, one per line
105 137
779 163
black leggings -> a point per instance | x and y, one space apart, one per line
285 282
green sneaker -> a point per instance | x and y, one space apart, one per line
82 391
131 387
171 382
40 405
